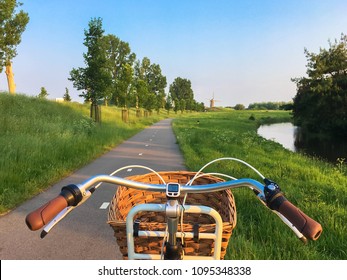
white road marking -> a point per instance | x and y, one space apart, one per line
104 205
129 170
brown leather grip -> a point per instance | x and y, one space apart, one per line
306 225
40 217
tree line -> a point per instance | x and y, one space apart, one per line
271 106
320 104
265 106
113 75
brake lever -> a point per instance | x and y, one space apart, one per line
291 226
284 220
63 213
56 220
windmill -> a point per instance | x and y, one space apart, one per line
212 102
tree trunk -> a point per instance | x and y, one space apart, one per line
95 112
10 78
125 115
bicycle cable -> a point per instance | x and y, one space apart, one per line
135 166
199 174
228 158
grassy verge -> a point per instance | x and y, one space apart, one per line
42 141
318 188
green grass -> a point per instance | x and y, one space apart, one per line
42 141
318 188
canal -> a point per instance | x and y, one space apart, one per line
295 139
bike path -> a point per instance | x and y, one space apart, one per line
84 233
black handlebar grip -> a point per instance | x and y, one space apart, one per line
43 215
306 225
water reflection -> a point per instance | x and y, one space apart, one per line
283 133
298 140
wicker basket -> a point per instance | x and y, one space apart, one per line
125 198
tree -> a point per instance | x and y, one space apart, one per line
155 79
141 86
200 107
182 105
320 104
95 78
176 105
67 96
12 25
239 107
168 103
43 93
141 93
182 96
125 87
120 60
181 90
157 84
150 84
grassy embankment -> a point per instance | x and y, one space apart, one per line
42 141
318 188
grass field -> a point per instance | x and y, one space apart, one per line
318 188
42 141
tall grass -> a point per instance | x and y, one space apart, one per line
41 141
318 188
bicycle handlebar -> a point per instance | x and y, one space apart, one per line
276 201
269 194
46 213
70 195
306 225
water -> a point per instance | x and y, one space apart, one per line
295 139
283 133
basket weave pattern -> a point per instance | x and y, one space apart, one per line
125 198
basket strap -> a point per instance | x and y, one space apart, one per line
136 227
196 232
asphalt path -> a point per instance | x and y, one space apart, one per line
84 233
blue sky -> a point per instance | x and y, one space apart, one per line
240 51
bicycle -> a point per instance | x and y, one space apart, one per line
174 209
